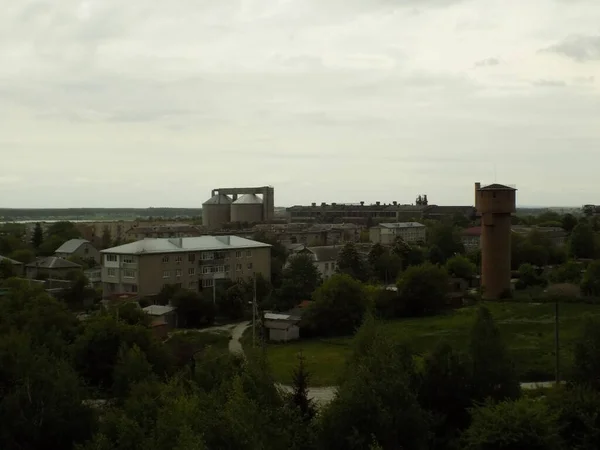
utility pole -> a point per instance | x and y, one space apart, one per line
556 342
254 314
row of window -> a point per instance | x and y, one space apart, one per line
208 256
126 259
127 273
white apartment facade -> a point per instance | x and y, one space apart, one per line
387 233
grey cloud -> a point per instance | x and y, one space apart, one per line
488 62
549 83
584 80
578 47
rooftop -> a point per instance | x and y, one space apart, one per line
325 252
184 244
71 246
12 261
53 262
402 225
497 187
158 310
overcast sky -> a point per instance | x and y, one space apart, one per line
152 103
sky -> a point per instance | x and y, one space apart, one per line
138 103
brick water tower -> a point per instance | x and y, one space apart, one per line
495 204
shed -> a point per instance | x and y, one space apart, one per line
282 327
162 315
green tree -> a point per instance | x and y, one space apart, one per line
520 424
7 269
582 242
38 236
167 292
376 403
568 222
23 255
383 264
569 272
447 240
445 391
528 277
300 279
96 350
236 301
493 372
590 284
578 418
41 406
423 289
131 367
299 396
338 308
351 263
460 266
586 364
193 311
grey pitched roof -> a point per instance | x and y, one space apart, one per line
71 246
12 261
325 252
185 244
53 262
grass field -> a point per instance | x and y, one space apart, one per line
527 328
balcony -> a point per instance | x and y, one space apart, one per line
133 265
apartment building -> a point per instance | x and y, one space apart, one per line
387 233
194 263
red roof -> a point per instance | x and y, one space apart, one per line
305 304
473 231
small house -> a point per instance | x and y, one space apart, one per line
50 267
79 248
282 327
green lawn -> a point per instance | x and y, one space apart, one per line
528 330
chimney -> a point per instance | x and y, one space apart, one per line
323 204
333 204
313 204
362 203
395 203
378 203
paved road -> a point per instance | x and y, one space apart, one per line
324 394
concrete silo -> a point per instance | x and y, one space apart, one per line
495 204
216 211
247 208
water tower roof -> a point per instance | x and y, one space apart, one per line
497 187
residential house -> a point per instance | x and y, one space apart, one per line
194 263
471 238
387 233
50 267
79 248
281 327
324 257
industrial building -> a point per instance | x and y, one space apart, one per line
228 205
495 204
369 215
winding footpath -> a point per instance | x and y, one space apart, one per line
323 395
